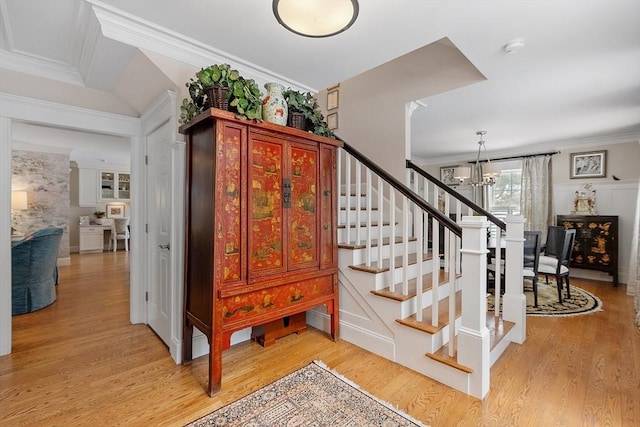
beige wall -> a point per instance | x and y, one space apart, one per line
623 161
372 104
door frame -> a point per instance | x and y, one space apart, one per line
32 110
163 111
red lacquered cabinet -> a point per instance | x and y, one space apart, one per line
261 219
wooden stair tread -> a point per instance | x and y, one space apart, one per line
364 224
496 333
498 328
442 355
426 285
374 243
443 316
374 268
353 208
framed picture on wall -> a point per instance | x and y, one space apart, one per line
332 121
446 176
115 211
590 164
332 98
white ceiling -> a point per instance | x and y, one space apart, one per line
576 81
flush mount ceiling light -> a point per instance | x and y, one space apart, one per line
316 18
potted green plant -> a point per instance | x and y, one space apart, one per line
305 103
100 216
220 86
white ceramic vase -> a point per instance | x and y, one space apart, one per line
274 106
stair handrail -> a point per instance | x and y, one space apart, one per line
474 207
406 191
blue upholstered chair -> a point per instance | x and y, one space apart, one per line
34 272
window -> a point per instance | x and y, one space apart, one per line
504 195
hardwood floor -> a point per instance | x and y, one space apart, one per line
80 362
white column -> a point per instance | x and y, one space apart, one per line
5 235
178 190
473 335
409 108
514 301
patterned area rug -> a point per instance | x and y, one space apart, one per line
581 301
311 396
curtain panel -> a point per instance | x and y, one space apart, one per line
536 197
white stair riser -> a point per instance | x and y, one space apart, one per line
359 256
342 216
353 200
349 235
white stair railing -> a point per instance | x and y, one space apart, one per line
408 225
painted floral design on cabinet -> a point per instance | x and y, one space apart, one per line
229 228
303 217
274 298
265 235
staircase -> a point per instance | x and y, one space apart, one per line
415 296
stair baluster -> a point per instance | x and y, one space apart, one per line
413 222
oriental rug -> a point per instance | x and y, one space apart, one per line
311 396
581 301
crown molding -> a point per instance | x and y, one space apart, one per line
90 38
67 116
133 31
40 67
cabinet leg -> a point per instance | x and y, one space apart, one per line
215 364
187 343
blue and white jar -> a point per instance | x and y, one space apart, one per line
274 106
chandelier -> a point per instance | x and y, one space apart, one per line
482 175
316 18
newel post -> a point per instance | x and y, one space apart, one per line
473 335
514 302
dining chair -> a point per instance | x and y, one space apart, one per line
553 245
530 262
119 231
561 269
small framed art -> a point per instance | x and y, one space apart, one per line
332 121
115 211
590 164
332 98
446 175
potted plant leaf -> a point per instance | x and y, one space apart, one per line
305 103
222 87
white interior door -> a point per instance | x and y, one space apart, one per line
159 231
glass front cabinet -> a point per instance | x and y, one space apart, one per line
115 185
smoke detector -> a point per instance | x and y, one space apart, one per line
514 46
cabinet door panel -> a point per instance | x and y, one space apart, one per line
108 185
302 220
265 206
230 205
328 208
87 188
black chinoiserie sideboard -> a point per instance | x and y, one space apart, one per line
596 243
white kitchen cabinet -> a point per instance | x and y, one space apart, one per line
115 185
91 239
87 188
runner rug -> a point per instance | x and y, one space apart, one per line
581 301
311 396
